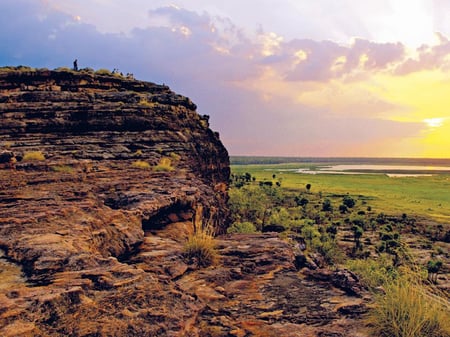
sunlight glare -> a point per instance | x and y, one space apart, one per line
434 122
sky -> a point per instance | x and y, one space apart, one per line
320 78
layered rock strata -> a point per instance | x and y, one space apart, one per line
102 178
88 164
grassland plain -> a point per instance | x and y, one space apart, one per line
390 231
423 196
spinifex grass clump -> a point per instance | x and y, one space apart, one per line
33 155
200 248
164 165
143 165
409 308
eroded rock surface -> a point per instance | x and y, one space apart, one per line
91 242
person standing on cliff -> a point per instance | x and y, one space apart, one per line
75 65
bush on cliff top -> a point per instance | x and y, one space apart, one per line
103 72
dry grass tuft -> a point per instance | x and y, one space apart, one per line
33 155
140 164
164 165
200 248
410 308
63 169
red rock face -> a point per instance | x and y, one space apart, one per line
73 195
101 181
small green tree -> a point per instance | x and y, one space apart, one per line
343 209
433 268
326 205
310 234
348 201
301 201
241 227
357 234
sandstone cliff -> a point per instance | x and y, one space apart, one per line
102 178
78 184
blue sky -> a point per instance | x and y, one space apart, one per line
287 77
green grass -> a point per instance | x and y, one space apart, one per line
427 196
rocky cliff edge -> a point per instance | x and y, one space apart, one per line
102 178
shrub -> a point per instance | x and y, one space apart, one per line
343 209
141 164
301 201
87 70
348 201
33 155
62 169
409 309
326 205
242 227
373 273
65 69
7 69
329 250
175 156
433 268
310 234
103 72
164 165
200 248
18 68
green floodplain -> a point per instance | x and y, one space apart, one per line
387 220
420 188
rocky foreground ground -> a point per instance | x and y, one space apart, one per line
92 225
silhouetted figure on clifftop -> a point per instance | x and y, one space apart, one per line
75 65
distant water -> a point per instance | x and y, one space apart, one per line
392 167
389 170
245 160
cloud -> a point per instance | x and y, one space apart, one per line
254 87
428 57
325 60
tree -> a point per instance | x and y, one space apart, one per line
301 201
310 234
279 216
357 234
433 268
248 204
343 209
241 227
348 201
326 205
